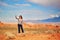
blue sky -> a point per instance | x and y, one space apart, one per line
29 9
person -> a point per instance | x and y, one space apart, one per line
20 23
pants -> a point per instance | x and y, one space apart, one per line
20 28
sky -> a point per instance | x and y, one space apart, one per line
29 9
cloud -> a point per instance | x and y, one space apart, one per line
53 3
33 14
3 4
52 16
33 11
14 6
22 4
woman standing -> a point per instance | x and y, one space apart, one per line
20 22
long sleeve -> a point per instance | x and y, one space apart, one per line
16 17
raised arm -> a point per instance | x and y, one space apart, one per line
16 17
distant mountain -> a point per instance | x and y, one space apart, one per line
55 19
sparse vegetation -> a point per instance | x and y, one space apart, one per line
46 31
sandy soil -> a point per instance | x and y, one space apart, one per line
29 35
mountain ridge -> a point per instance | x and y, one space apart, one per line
55 19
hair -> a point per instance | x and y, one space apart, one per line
21 16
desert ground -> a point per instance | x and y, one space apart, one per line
41 31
